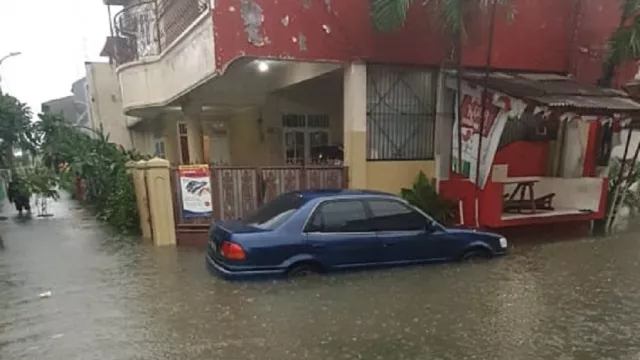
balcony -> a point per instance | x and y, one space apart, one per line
145 29
163 49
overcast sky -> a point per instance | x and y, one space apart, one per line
55 37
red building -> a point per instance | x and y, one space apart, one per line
557 36
264 82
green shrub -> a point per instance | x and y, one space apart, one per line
109 188
424 195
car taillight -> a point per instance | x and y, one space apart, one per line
232 251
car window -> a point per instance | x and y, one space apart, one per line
276 211
391 215
340 216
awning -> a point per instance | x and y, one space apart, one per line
556 91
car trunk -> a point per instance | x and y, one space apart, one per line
226 231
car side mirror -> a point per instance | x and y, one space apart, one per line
429 226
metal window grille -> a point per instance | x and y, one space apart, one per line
400 113
305 121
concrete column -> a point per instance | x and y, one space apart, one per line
355 123
137 170
443 128
192 116
163 226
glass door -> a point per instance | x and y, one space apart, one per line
319 147
295 147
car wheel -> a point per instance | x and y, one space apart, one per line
303 270
476 254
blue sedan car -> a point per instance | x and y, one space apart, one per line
317 231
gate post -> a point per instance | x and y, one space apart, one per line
137 170
163 226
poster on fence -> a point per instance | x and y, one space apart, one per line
195 188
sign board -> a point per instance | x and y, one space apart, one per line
195 190
498 109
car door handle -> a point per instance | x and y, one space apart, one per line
317 246
388 244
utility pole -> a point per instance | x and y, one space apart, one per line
2 59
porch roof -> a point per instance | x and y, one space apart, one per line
558 91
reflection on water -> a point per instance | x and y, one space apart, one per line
114 299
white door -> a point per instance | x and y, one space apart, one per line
574 150
219 149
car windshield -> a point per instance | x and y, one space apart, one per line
275 212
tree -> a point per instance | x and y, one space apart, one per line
52 134
15 129
99 163
449 16
624 43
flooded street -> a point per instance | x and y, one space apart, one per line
116 299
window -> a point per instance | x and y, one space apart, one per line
305 136
182 129
305 121
400 113
183 139
159 148
276 211
340 216
295 146
318 121
294 121
389 215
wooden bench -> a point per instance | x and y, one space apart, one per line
541 203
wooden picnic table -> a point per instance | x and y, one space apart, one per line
524 187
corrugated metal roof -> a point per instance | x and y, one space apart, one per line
589 102
557 91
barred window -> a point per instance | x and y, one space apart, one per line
400 113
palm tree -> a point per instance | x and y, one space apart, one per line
15 128
449 16
624 43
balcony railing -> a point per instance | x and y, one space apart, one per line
148 27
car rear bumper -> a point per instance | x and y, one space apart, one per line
230 273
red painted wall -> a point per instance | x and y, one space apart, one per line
595 23
539 39
525 158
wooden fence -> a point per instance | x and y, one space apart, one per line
237 191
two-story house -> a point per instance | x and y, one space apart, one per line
268 83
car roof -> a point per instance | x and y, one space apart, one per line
329 193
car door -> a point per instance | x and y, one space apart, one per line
405 233
339 234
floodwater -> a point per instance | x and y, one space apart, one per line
116 299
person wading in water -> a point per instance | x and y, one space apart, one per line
18 194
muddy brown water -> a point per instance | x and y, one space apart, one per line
116 299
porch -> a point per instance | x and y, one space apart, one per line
266 127
378 120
